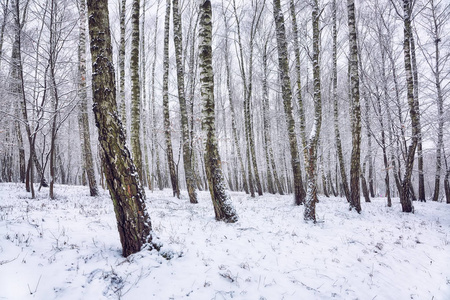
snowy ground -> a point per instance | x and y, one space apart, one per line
69 249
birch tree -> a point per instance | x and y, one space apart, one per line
299 192
133 221
223 208
185 138
167 128
355 198
88 161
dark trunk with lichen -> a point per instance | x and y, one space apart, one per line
123 182
223 208
299 192
355 198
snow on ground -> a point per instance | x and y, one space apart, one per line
69 249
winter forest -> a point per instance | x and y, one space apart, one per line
250 149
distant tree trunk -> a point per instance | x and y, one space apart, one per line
312 146
167 129
125 188
416 100
355 198
233 114
337 134
88 162
447 185
135 133
266 122
22 170
364 187
155 151
299 192
405 195
187 151
298 81
436 28
2 29
123 109
223 208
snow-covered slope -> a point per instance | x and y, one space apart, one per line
69 249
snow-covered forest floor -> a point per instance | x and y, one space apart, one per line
69 249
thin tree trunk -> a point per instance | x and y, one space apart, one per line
223 208
266 122
355 198
416 100
155 151
167 127
88 161
125 188
187 151
337 133
405 195
2 29
299 192
123 109
135 91
311 195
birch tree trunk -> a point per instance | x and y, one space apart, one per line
312 146
135 91
228 62
405 196
355 198
155 151
299 192
123 108
133 221
83 119
167 128
223 208
187 151
337 133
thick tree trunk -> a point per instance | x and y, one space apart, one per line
88 161
223 208
299 192
355 198
187 151
124 186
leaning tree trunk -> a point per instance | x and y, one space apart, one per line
187 151
223 208
167 130
135 91
405 197
355 198
133 221
299 192
337 133
88 161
